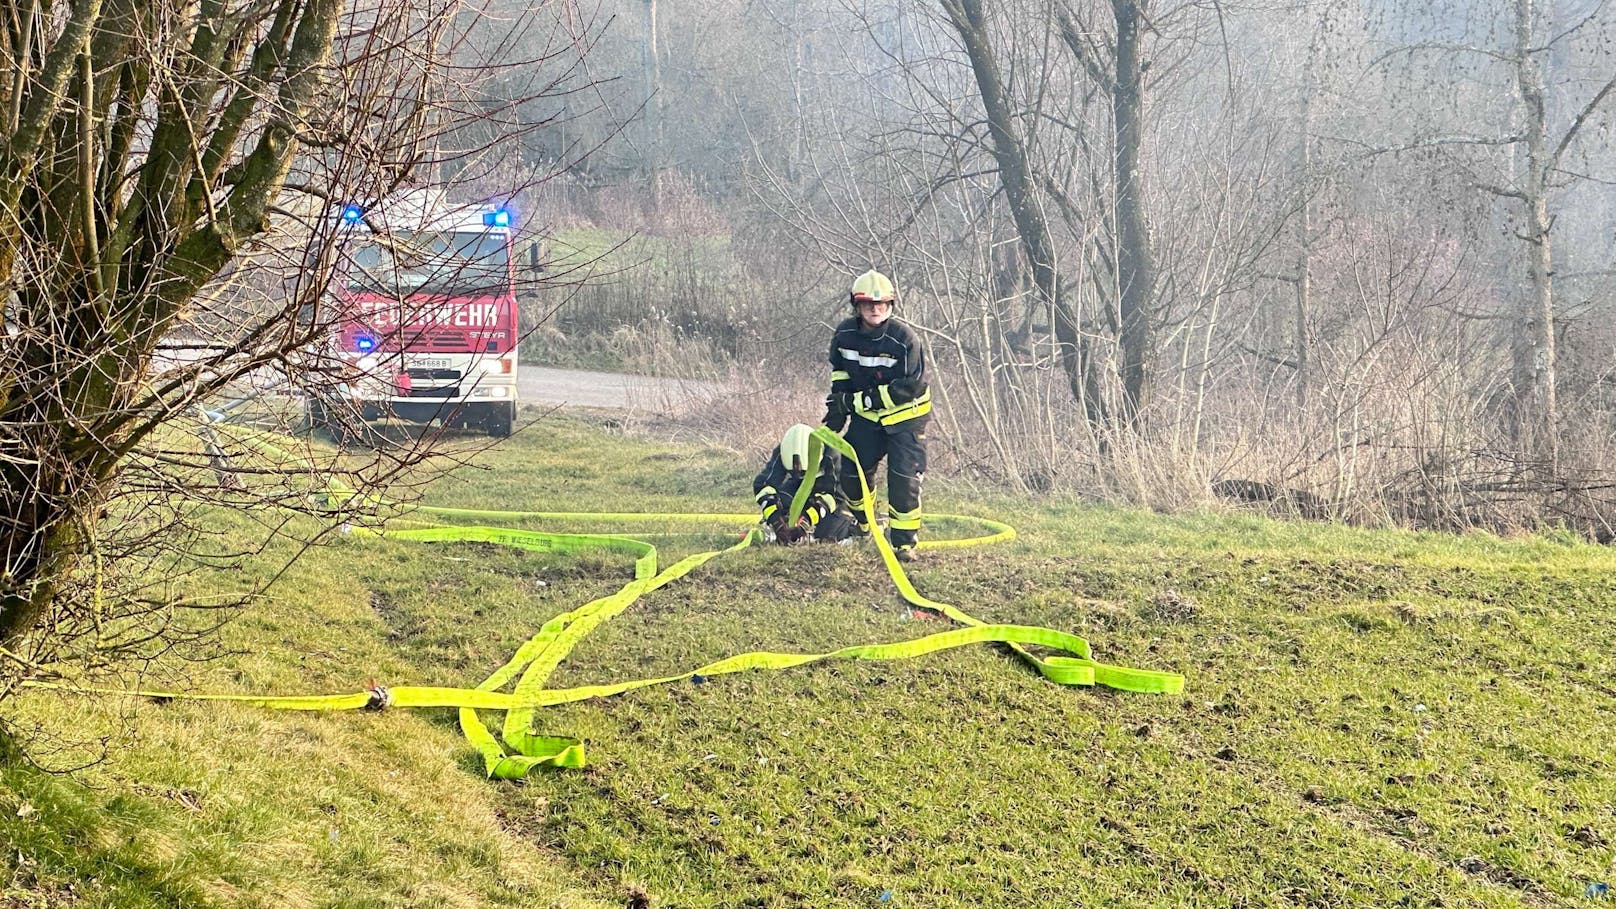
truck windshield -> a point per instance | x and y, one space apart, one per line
432 263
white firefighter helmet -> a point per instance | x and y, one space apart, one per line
794 448
873 287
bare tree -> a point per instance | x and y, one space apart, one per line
1017 177
1519 156
1145 237
1533 355
167 240
1119 70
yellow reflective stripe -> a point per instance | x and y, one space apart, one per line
903 520
891 414
837 375
908 412
826 503
764 493
886 397
769 510
861 511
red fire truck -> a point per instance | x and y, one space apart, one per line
428 315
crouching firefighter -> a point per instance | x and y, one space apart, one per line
878 392
824 516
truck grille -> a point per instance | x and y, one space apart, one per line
438 341
446 391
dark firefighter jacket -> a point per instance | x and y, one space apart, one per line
774 487
885 371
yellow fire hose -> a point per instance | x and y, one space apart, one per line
518 749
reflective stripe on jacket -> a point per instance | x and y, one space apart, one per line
886 368
775 480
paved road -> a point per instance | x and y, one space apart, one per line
544 386
580 388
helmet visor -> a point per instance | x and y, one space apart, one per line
873 312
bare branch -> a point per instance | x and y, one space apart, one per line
1576 124
1593 16
43 102
1443 46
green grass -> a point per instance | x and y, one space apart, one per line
1371 718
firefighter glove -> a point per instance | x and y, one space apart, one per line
801 532
837 409
777 523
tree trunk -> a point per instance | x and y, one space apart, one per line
1532 350
82 345
1304 232
1015 176
1136 268
653 103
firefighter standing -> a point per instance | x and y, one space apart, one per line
824 517
878 393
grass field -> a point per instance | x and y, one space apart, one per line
1370 718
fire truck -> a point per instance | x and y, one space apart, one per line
427 316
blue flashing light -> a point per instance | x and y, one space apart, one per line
352 213
499 217
364 344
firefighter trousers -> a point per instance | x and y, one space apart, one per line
903 446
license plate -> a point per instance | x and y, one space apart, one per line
430 363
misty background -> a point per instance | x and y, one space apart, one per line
1350 258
